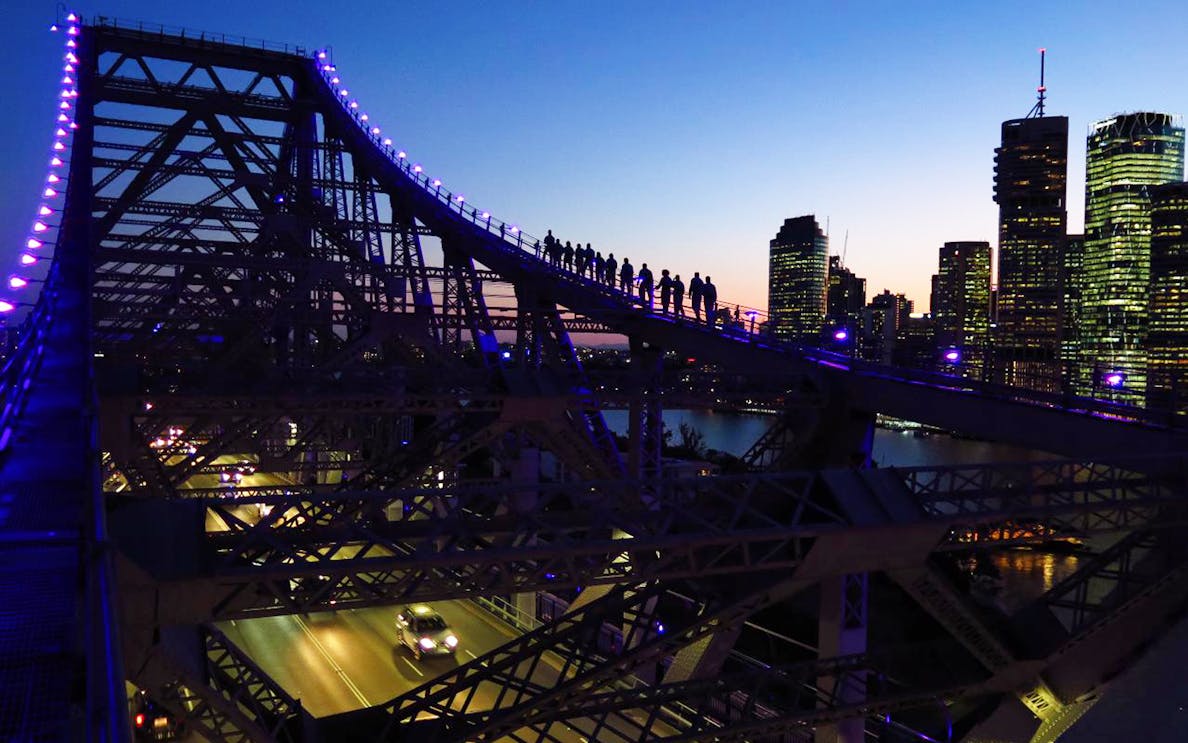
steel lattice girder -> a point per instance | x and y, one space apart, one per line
582 668
783 698
222 693
463 541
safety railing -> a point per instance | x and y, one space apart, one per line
184 35
1102 396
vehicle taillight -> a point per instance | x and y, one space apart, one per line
139 719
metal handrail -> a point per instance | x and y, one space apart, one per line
188 34
753 326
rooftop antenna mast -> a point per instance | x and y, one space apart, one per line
1038 109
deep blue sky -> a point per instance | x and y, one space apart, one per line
683 133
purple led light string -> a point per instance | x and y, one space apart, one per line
49 206
509 233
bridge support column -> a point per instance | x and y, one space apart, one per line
842 631
844 437
646 427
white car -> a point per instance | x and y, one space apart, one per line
424 632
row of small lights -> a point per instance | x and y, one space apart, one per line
343 95
53 188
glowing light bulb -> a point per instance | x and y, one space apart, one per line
52 178
53 27
73 31
354 104
28 260
72 18
40 227
71 58
515 230
67 68
63 105
63 117
334 81
58 146
375 130
417 168
56 161
61 132
364 117
461 198
344 92
33 243
486 215
71 45
65 94
6 306
401 155
16 282
321 55
45 211
66 80
49 193
387 141
73 125
325 68
437 182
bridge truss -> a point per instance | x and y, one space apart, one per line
276 290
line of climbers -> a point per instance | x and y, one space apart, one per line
585 262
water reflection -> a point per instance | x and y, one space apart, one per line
1028 574
735 433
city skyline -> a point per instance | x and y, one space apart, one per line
684 138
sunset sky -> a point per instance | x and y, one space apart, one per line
683 133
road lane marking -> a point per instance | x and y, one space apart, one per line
410 665
334 666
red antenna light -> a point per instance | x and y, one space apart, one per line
1038 109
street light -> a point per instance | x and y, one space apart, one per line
751 315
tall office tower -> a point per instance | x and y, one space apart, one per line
798 266
845 299
882 318
1167 333
1072 279
1126 155
1030 188
961 307
914 343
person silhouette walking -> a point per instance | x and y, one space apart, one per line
696 288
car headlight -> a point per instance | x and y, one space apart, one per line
451 641
427 643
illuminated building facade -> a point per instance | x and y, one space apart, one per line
882 319
845 298
798 268
961 307
1072 278
1030 188
1167 334
1126 155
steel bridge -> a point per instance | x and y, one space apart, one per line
236 266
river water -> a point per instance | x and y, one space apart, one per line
734 433
1026 574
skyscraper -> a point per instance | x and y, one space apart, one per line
961 306
1030 187
1167 334
845 298
1126 155
796 279
1072 279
